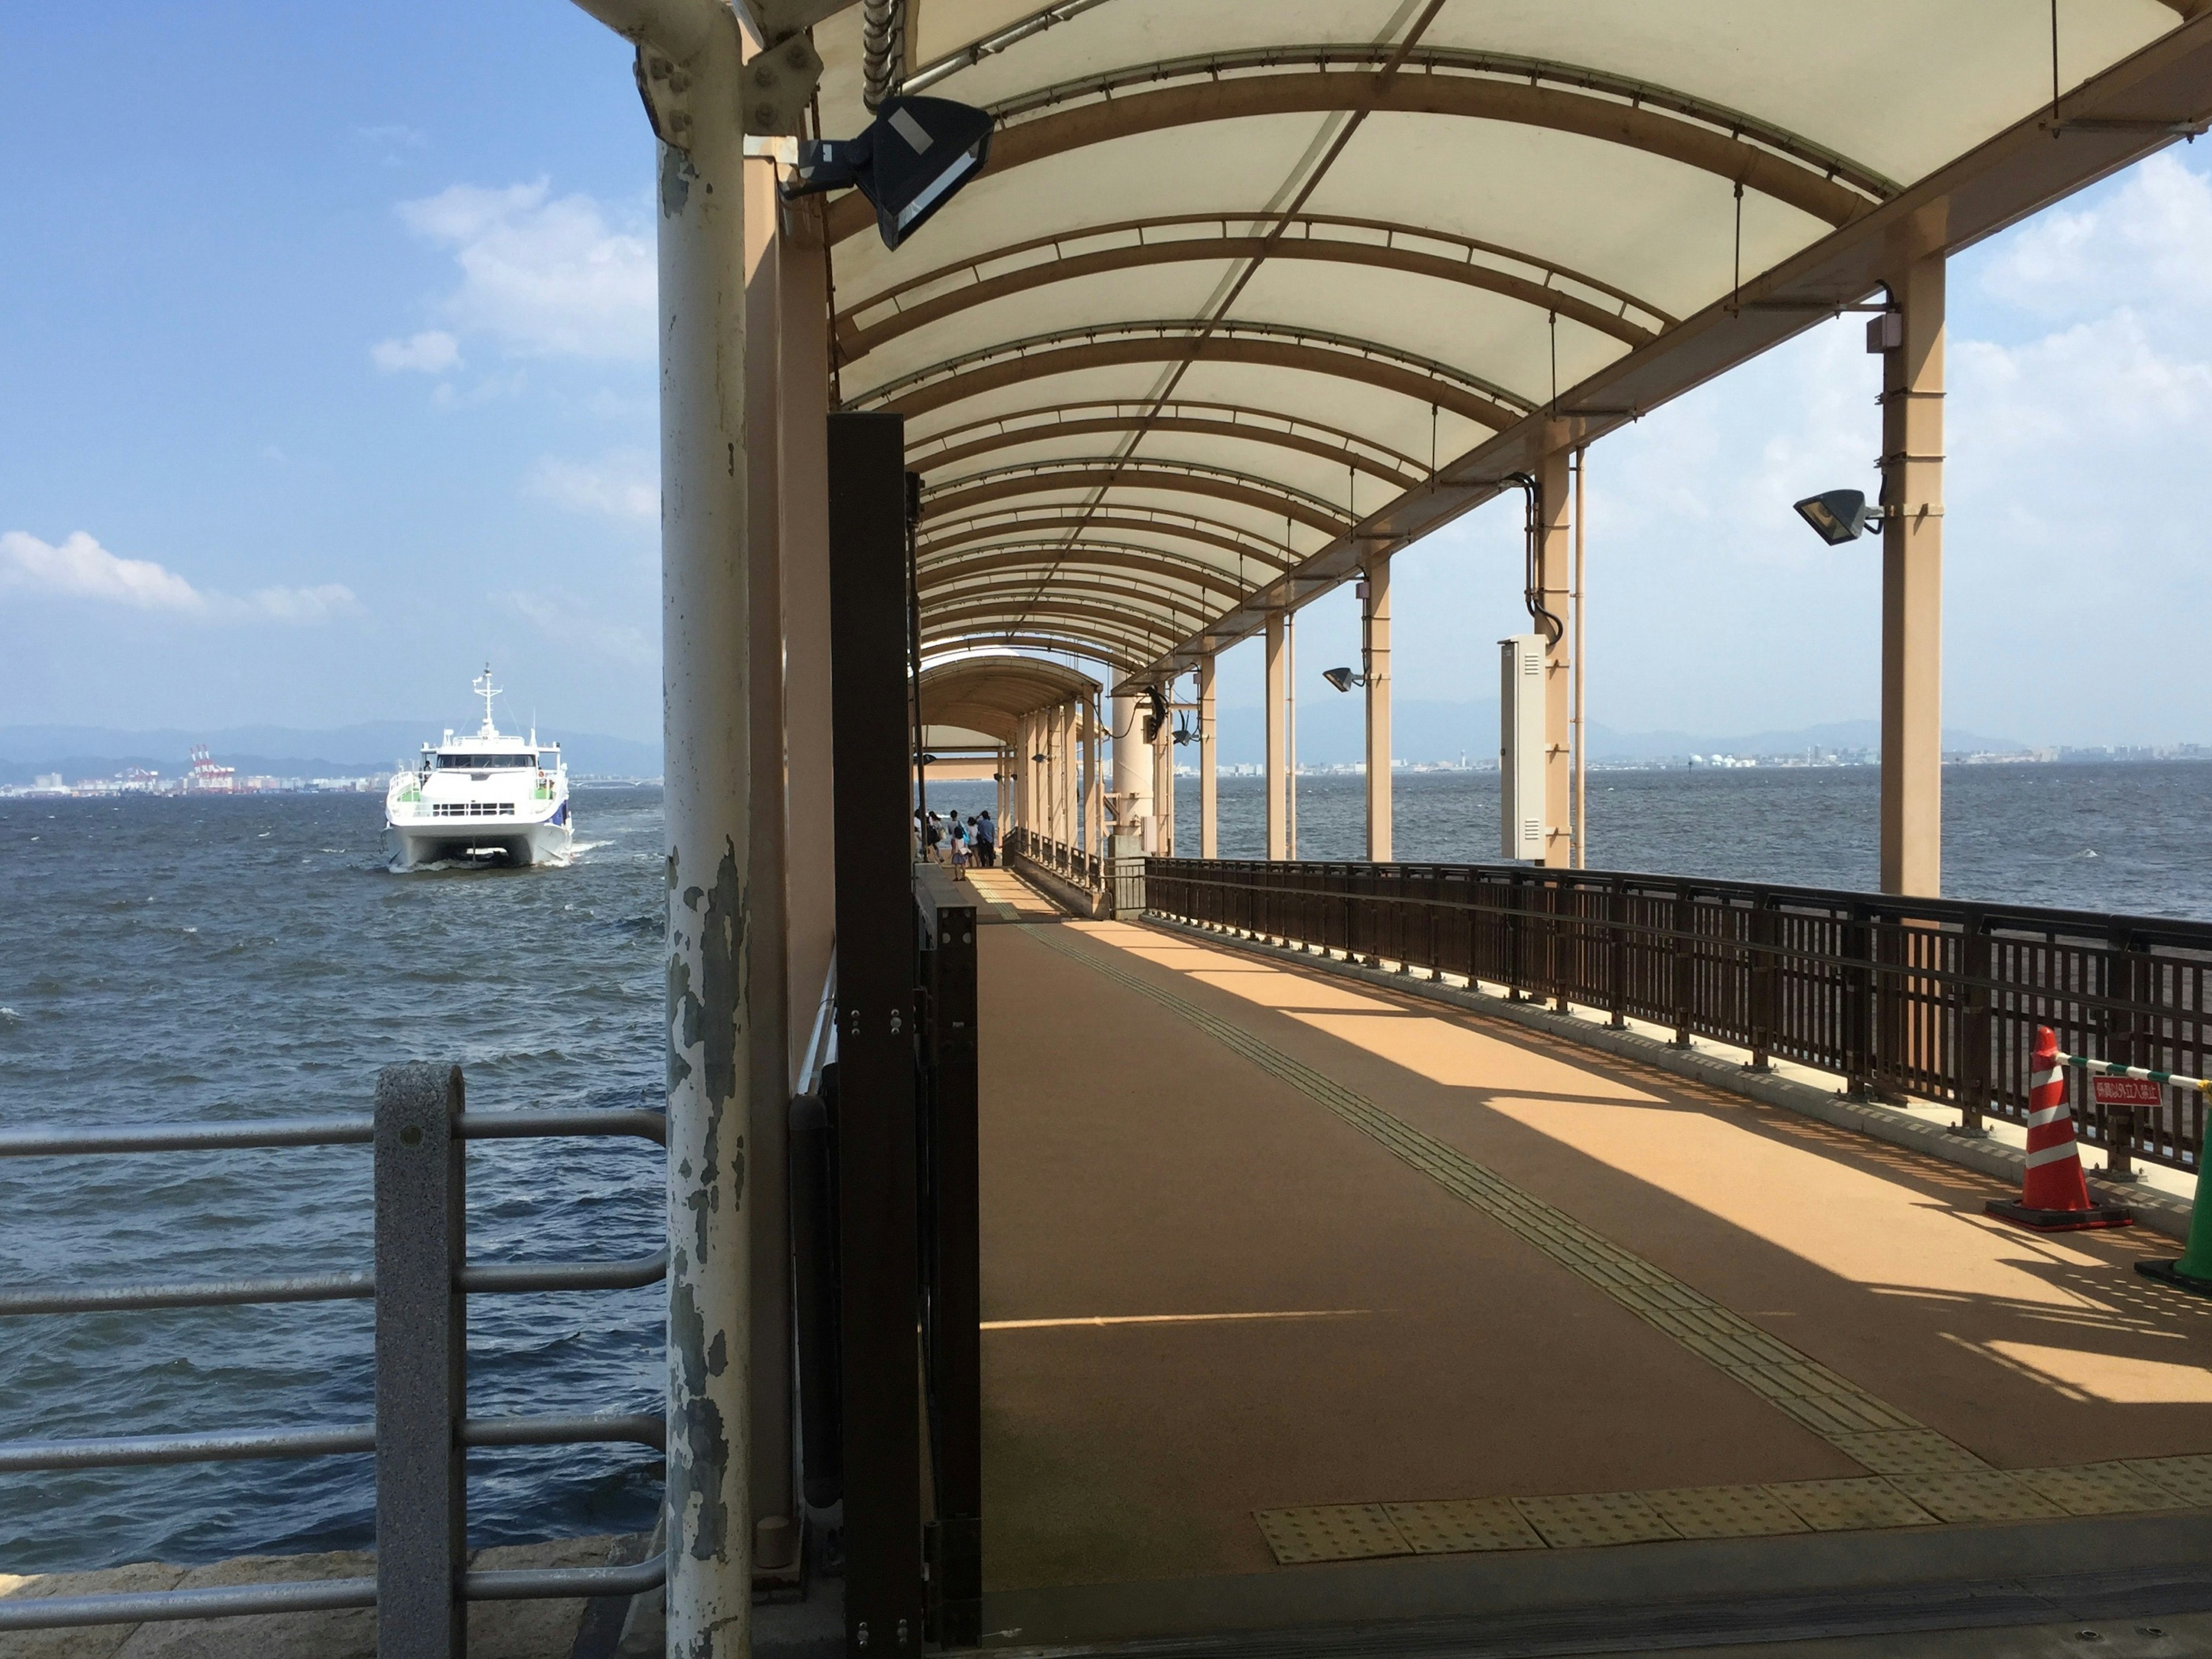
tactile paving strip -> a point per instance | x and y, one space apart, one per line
1850 1506
2189 1479
2101 1489
1330 1531
1907 1452
1830 1405
1455 1526
1725 1512
1978 1495
1588 1520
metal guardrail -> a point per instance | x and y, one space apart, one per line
1933 998
421 1283
1087 869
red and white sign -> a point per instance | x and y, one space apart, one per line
2124 1091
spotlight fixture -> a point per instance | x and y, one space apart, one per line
1343 678
909 162
1839 515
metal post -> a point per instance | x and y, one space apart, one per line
1132 774
802 390
1290 734
1552 578
1279 830
706 672
1912 586
773 1509
878 1210
1581 700
421 1366
1094 793
1209 834
1377 671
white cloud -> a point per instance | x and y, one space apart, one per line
565 617
545 275
622 485
431 352
81 569
2146 243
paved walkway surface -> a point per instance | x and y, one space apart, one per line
1279 1269
497 1630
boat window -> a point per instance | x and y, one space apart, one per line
483 763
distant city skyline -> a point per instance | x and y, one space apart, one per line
330 373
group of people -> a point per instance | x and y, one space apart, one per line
951 839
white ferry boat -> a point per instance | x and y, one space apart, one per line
482 799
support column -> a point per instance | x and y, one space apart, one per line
1209 839
775 1541
1377 656
1912 586
1554 582
802 390
1132 769
1163 786
1278 798
707 672
1093 786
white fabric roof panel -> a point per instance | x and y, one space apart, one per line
1369 227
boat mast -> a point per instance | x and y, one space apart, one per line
487 690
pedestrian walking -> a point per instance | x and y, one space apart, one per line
987 841
958 833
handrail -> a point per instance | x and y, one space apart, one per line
324 1440
1900 996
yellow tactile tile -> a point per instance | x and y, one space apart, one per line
1330 1531
1977 1495
1587 1520
1725 1512
1450 1527
2189 1479
2101 1489
1850 1506
1908 1451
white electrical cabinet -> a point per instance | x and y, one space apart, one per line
1521 746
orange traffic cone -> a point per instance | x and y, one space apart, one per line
2054 1198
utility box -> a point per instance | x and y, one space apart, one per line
1521 747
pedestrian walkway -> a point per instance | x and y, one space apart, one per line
1282 1271
1001 896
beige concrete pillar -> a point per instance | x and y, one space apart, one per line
802 498
1554 582
1209 841
1376 657
1277 794
1912 586
769 1111
1094 793
1163 782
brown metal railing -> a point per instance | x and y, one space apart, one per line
1078 866
1933 999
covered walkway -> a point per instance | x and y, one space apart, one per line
1334 1275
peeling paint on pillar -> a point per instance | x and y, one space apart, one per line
707 954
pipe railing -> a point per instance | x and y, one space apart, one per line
1076 864
1931 999
421 1423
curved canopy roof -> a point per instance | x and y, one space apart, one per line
1247 289
988 694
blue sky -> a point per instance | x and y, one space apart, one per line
325 371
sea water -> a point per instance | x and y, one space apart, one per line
204 959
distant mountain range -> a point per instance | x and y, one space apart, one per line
90 752
1332 732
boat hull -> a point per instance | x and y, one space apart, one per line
516 846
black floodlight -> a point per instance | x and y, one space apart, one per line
1839 515
909 162
1343 678
1039 759
1183 734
